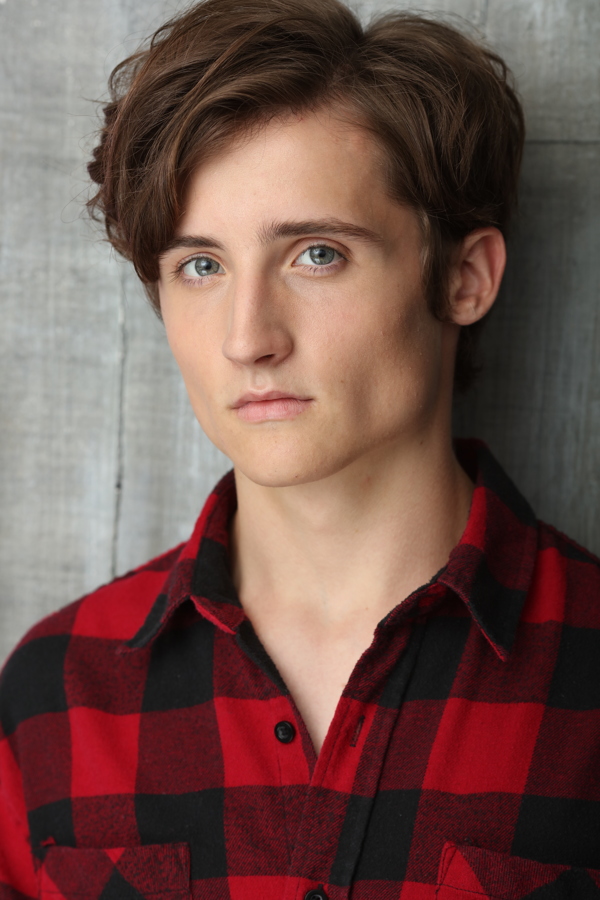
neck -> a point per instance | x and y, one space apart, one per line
366 536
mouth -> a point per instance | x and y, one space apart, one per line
270 406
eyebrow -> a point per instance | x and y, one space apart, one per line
333 227
190 241
276 230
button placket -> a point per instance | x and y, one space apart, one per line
347 746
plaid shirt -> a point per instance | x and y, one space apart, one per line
149 747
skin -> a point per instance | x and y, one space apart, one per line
351 498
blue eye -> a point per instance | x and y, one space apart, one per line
320 255
201 266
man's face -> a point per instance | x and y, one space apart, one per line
295 274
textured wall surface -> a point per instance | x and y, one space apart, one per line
101 462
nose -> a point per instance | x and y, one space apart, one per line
257 329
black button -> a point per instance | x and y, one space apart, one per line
285 732
318 894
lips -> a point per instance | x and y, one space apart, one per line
258 397
255 406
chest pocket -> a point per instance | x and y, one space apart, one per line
468 872
121 873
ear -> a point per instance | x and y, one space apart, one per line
476 275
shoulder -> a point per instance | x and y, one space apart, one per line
566 582
113 611
95 627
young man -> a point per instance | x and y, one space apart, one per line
371 673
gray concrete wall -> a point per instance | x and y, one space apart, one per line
101 462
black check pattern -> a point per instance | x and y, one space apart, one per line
139 756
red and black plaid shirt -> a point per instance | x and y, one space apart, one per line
149 747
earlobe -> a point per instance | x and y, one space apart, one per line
477 275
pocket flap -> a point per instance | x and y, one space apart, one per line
467 871
152 871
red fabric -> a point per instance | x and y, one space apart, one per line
138 753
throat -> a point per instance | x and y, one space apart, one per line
315 662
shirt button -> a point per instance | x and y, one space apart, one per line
285 732
319 894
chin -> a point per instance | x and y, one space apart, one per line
277 474
277 458
270 467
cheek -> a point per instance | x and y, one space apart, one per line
395 333
186 337
396 361
195 364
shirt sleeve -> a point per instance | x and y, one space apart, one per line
17 873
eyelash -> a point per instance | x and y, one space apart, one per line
314 270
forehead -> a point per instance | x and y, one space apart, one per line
307 165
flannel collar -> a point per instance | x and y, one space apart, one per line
490 569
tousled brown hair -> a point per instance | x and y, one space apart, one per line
439 104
